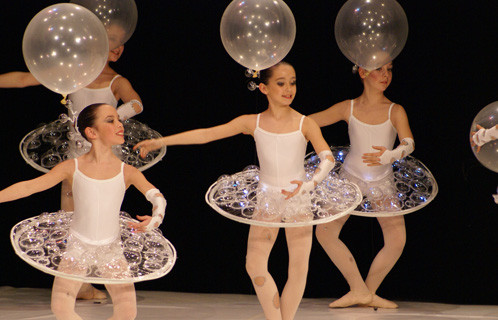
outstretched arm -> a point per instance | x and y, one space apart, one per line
405 136
26 188
336 113
17 79
132 104
243 124
313 133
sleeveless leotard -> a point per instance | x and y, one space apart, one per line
280 155
86 96
362 137
96 221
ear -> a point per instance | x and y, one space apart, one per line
262 87
114 54
363 73
90 133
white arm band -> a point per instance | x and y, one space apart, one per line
321 172
484 136
158 208
126 110
406 147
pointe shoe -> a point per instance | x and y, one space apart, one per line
378 302
352 298
91 294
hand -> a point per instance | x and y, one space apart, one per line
147 145
290 194
472 143
141 226
373 158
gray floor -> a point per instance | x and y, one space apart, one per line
26 303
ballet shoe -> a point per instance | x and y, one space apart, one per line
91 294
378 302
352 298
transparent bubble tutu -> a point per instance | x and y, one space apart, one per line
52 143
410 187
45 242
241 197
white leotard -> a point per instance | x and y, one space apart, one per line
97 204
87 96
362 137
281 156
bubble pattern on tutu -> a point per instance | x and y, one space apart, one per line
411 187
42 241
239 198
52 143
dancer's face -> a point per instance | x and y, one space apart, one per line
379 78
281 87
107 125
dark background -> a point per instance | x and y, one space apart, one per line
176 62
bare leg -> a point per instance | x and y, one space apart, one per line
299 244
124 301
259 245
87 291
393 229
64 297
328 236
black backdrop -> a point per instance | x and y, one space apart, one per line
176 62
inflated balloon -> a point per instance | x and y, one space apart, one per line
488 154
118 16
371 33
257 33
65 47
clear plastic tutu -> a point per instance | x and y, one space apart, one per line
50 144
410 188
45 242
242 198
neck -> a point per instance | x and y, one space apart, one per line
278 111
100 153
371 96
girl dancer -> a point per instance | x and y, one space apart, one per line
99 181
373 122
281 136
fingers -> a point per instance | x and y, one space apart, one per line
479 127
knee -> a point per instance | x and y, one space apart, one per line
298 269
396 243
254 268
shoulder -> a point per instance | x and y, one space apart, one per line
130 171
398 111
65 168
309 125
119 80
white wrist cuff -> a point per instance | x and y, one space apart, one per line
321 172
158 208
126 110
406 147
484 136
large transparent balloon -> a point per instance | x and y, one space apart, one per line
65 47
257 33
118 16
371 33
488 153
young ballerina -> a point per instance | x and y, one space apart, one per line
281 136
109 87
99 180
373 122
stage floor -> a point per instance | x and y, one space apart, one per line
27 303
